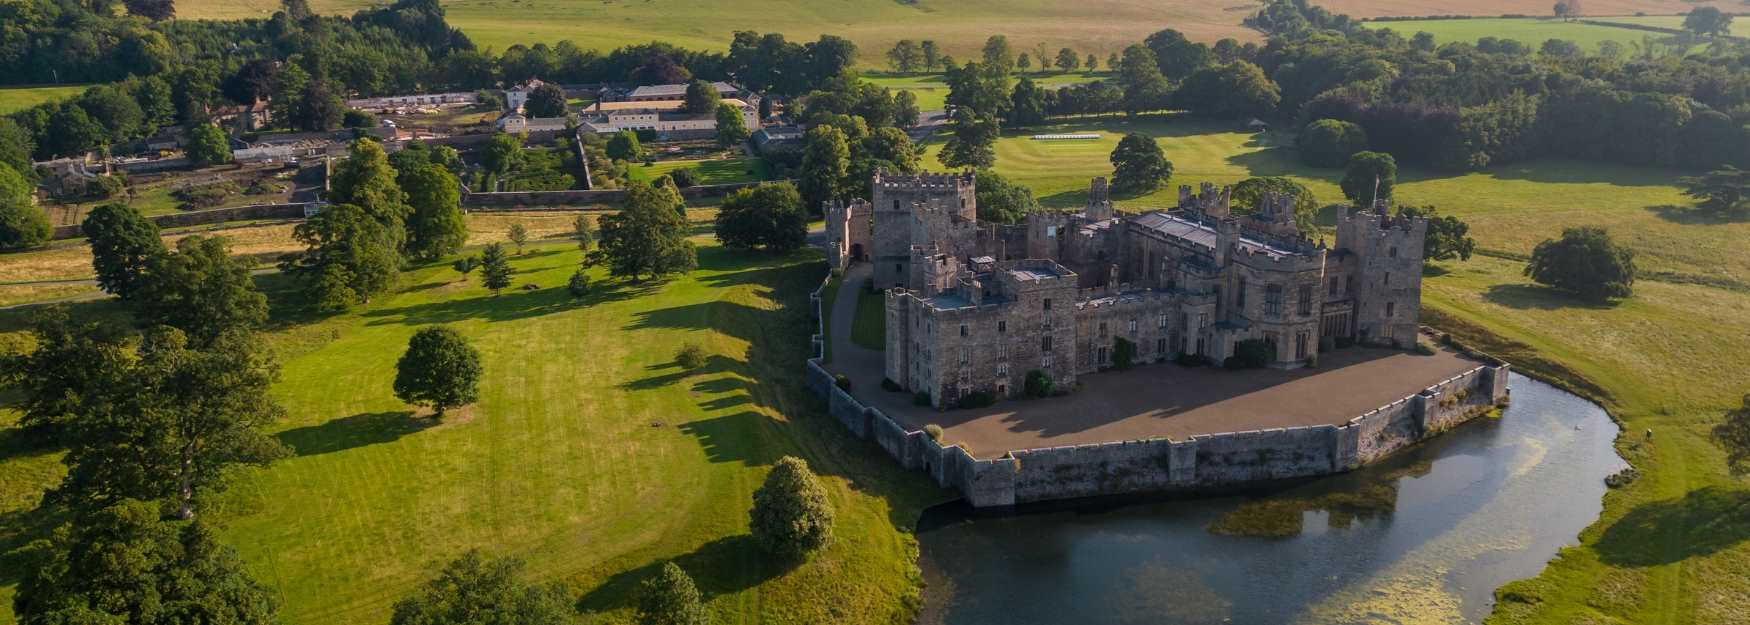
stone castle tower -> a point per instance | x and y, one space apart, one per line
933 212
1387 252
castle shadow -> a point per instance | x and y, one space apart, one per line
359 430
1533 297
713 364
724 566
1700 523
733 438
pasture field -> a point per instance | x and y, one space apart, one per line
1398 8
20 98
960 27
932 89
1674 546
1529 31
590 455
1740 27
713 171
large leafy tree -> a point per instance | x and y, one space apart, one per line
174 424
1708 21
1001 200
1028 104
624 146
1139 165
731 128
125 564
1177 56
648 237
348 258
905 109
769 216
1586 262
69 360
436 227
440 369
670 598
701 97
201 290
1231 90
1725 190
1330 142
22 224
973 140
547 100
1447 237
791 516
826 161
1145 88
207 145
1306 208
1369 177
473 590
502 153
366 180
1733 434
905 56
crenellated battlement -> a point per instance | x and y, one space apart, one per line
924 181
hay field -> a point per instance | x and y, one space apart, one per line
20 98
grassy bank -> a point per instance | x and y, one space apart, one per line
717 171
20 98
590 454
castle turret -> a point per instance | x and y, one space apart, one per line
1388 254
1099 202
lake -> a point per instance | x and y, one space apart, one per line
1421 537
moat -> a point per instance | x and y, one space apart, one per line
1423 536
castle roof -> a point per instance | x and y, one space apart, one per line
674 90
1201 234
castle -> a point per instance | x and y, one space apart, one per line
973 307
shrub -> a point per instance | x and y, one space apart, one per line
842 381
791 516
1423 349
691 356
579 284
887 384
1586 262
920 398
1251 354
685 177
670 598
977 399
1038 384
1187 359
934 432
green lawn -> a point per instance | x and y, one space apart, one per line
869 326
20 98
1740 26
1674 547
1530 31
718 171
589 455
932 89
959 26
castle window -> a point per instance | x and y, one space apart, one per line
1161 346
1161 320
962 329
1047 360
1102 328
1102 356
1333 290
1394 252
896 205
1048 303
1045 344
965 355
1240 294
1002 326
1305 304
1133 326
1387 281
1300 346
1390 308
1273 300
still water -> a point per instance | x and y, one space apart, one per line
1422 537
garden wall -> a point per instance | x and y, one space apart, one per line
521 200
208 216
1160 464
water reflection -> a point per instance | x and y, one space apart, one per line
1423 537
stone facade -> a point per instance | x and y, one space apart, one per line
967 304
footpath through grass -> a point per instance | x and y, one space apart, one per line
1674 546
590 454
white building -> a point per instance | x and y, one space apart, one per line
663 116
516 97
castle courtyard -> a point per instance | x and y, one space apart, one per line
1149 400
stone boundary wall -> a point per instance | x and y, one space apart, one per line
1160 464
519 200
208 216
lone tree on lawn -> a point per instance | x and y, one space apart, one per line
1138 165
768 216
440 370
670 598
473 590
791 516
1585 261
495 268
1370 177
519 236
1708 21
123 243
647 238
1733 434
1330 142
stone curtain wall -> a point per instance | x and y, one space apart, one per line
1157 465
209 216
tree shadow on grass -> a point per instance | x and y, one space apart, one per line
359 430
1700 523
509 305
713 364
733 438
727 565
1532 297
1698 216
